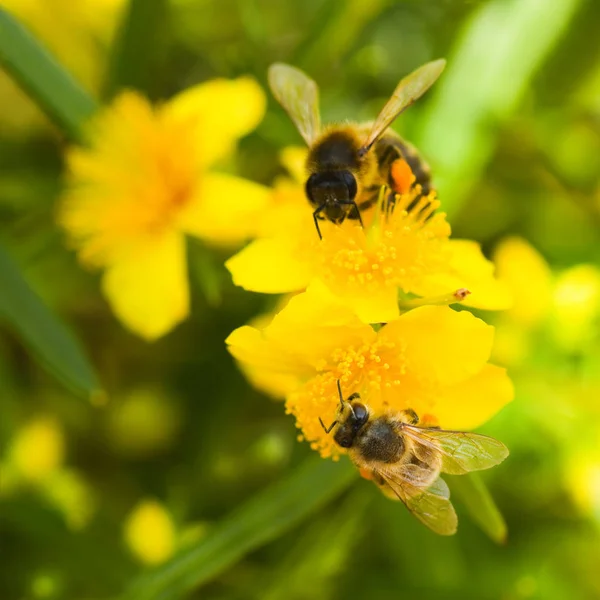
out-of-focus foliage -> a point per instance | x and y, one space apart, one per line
180 448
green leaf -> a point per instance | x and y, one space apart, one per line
489 72
139 46
264 518
473 493
43 78
304 571
41 331
207 274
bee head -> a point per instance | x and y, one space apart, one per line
352 416
331 188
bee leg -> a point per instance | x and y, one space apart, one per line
316 219
355 212
409 416
327 429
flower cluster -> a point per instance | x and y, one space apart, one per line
371 311
372 298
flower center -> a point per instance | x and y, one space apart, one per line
377 371
397 247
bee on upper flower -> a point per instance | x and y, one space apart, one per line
381 240
348 165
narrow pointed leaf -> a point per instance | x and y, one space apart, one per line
22 310
140 46
474 495
42 77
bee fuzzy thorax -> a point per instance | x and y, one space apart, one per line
339 148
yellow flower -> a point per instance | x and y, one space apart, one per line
431 359
150 532
527 274
38 449
402 250
576 308
146 181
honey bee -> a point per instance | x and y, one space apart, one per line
406 460
348 164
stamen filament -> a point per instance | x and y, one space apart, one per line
443 300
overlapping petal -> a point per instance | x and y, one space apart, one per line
225 209
219 112
442 345
269 265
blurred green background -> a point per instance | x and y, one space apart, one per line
180 458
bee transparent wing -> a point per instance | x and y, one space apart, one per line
410 89
461 451
299 95
430 504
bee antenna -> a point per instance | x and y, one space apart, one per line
340 393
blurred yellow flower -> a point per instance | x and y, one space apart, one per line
35 460
70 494
38 449
78 34
143 422
527 274
403 249
431 359
146 181
150 532
576 307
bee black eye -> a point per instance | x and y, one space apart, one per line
350 182
361 414
311 183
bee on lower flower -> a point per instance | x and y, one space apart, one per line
405 460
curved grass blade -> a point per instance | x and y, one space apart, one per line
264 518
474 495
41 331
139 47
43 78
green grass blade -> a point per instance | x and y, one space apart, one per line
43 78
489 72
314 564
137 50
265 517
473 493
41 331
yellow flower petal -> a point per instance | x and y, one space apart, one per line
487 292
466 267
380 306
225 209
221 111
148 290
471 403
442 345
270 266
315 323
251 347
299 339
